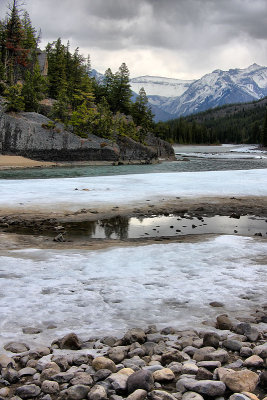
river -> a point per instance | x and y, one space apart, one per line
189 159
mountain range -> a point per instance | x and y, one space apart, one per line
172 98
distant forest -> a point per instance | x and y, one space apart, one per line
233 123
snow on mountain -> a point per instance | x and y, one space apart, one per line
159 86
219 88
171 98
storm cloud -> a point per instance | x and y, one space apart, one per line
175 38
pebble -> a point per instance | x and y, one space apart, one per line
138 394
15 347
5 360
140 380
223 322
253 361
233 345
161 395
104 363
163 375
97 392
165 365
211 339
206 387
241 381
50 387
28 391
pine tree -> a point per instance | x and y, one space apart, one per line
61 109
14 100
30 38
18 43
33 89
14 52
121 94
142 114
105 121
56 67
88 66
108 86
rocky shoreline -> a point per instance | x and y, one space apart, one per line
229 363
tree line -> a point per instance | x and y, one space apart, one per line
82 104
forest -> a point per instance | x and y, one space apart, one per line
232 123
81 103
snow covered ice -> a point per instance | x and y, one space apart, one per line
226 151
61 194
107 291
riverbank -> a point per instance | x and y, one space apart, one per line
8 162
39 221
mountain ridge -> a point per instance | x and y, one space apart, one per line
171 98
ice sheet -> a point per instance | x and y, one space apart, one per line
75 193
107 291
225 151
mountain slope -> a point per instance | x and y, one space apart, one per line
171 98
219 88
158 86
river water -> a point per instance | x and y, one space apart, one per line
189 159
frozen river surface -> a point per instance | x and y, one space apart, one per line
107 291
74 193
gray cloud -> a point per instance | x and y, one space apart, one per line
194 34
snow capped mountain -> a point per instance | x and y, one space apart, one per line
155 85
171 98
216 89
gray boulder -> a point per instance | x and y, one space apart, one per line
142 379
206 387
28 391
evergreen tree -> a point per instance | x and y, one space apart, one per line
108 87
30 38
61 109
117 89
56 67
18 43
14 52
121 93
88 66
104 126
14 100
142 114
33 89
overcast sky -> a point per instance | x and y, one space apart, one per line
174 38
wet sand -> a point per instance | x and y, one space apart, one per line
18 162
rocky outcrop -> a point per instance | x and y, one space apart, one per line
35 136
161 147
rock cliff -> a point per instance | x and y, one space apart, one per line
35 136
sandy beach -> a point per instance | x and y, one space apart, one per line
19 162
10 162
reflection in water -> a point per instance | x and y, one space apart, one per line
155 227
168 226
118 226
84 228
